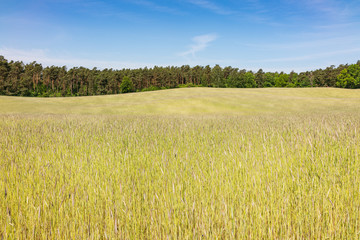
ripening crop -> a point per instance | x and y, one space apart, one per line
290 176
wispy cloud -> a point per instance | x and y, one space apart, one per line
338 26
199 43
23 55
103 9
211 6
156 7
333 9
315 44
44 57
310 57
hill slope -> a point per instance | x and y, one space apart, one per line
193 101
182 164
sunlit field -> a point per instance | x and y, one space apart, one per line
194 101
191 163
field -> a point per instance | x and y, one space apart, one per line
192 163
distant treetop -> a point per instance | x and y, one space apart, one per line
32 79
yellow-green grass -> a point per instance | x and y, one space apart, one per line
182 164
194 101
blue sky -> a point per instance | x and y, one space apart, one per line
275 35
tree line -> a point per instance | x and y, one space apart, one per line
32 79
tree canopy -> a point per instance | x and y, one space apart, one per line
32 79
126 85
349 77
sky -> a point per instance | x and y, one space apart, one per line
273 35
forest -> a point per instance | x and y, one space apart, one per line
34 80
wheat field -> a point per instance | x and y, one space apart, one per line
193 163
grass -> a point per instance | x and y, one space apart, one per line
193 101
182 164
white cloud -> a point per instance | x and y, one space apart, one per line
334 9
310 57
211 6
153 6
24 55
314 44
44 57
199 43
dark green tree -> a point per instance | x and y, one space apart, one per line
126 85
233 80
4 72
260 78
19 79
282 80
349 77
269 80
304 79
12 83
217 77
